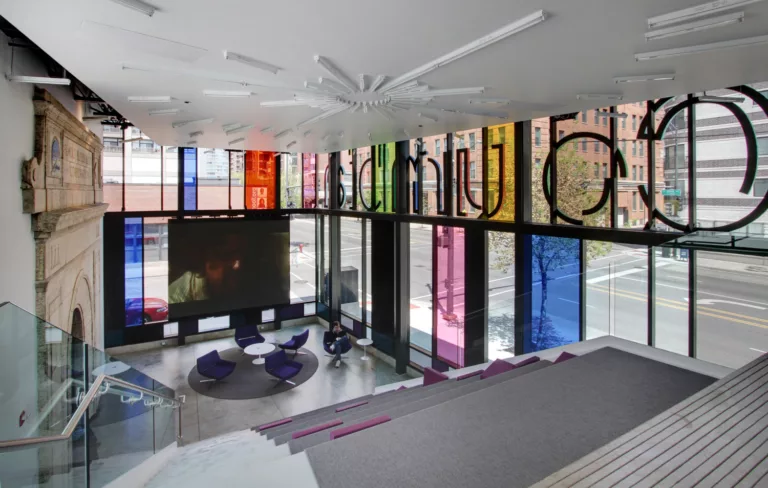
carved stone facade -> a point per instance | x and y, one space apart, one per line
62 189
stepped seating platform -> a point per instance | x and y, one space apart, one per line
512 429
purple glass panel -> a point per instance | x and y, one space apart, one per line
448 299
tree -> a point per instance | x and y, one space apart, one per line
577 190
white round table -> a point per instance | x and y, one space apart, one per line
259 350
365 343
111 369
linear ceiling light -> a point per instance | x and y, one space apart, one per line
333 85
454 91
191 143
290 144
195 134
377 83
254 63
699 25
227 94
164 111
284 103
361 82
428 117
597 96
39 80
485 41
613 115
240 139
138 6
499 101
227 127
266 129
241 128
324 115
642 78
697 11
702 48
714 98
336 73
283 133
176 125
142 99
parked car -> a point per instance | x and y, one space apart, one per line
154 310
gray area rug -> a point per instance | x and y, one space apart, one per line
513 434
250 380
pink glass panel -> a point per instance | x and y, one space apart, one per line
449 295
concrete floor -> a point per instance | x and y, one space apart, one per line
204 417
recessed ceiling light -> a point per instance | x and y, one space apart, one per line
195 134
39 80
597 96
138 6
142 99
428 117
702 48
483 42
700 25
227 94
697 11
254 63
176 125
164 111
241 139
642 78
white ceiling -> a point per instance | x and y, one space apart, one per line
580 48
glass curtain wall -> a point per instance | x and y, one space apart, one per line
302 252
421 252
351 293
501 295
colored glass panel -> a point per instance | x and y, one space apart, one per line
190 178
237 179
260 176
310 198
448 309
555 297
385 160
290 181
498 189
134 271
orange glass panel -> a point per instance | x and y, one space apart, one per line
260 176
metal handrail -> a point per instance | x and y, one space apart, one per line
93 391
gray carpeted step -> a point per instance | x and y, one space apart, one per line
513 434
328 408
397 411
401 396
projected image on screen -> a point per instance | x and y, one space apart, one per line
219 266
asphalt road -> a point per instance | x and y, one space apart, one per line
732 296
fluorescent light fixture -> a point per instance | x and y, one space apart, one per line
599 96
483 42
699 25
702 48
164 111
377 83
307 133
369 136
333 85
428 117
454 91
138 6
195 134
238 140
254 63
613 115
241 128
176 125
696 12
642 78
405 132
290 144
361 82
39 80
326 137
191 143
227 127
285 103
283 133
714 98
324 115
336 72
142 99
227 94
499 101
266 129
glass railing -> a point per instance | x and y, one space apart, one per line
74 415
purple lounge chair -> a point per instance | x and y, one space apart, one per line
213 367
296 343
248 336
282 368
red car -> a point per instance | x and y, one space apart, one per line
154 310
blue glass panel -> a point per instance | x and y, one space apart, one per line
134 271
190 178
555 292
